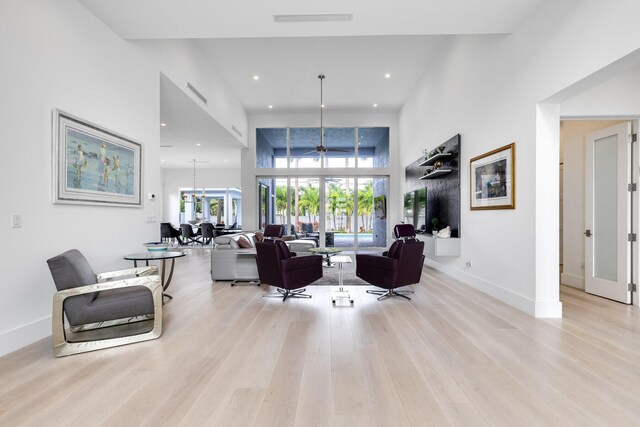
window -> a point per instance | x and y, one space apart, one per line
281 148
335 211
215 205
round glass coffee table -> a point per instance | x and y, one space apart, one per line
327 253
158 256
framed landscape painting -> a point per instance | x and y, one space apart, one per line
94 166
493 179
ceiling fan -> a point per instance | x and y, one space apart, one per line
321 149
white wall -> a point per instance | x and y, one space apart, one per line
249 170
491 90
183 62
174 179
616 97
58 55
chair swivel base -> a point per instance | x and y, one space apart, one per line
284 293
391 293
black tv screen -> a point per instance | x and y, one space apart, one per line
409 207
421 202
415 209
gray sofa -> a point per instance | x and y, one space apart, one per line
231 262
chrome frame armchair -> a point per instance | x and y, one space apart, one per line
142 277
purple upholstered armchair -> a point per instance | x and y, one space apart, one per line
277 267
400 266
273 231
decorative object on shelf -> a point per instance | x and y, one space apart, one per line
493 179
437 165
441 148
434 223
94 166
434 157
445 233
156 246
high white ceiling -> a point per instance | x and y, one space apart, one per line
354 67
161 19
188 125
242 39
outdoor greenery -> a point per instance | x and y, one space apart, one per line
340 205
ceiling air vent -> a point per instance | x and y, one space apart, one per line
196 93
235 129
313 17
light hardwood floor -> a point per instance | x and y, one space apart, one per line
451 356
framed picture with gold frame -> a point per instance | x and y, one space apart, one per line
493 179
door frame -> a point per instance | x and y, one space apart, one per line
553 116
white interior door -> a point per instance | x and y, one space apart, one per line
608 213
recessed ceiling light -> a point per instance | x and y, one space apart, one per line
387 76
375 105
198 144
322 106
163 124
226 160
162 160
256 77
270 106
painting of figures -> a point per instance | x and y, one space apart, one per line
95 166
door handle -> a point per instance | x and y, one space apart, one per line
587 233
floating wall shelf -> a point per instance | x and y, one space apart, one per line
431 160
435 247
436 174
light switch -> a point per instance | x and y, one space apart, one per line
16 220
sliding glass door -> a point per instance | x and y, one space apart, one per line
339 221
346 212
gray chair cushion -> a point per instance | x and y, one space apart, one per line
71 270
118 304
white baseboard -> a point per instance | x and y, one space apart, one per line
572 280
24 335
538 309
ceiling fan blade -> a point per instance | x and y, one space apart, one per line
338 150
309 152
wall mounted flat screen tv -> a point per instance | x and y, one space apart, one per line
415 209
409 207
